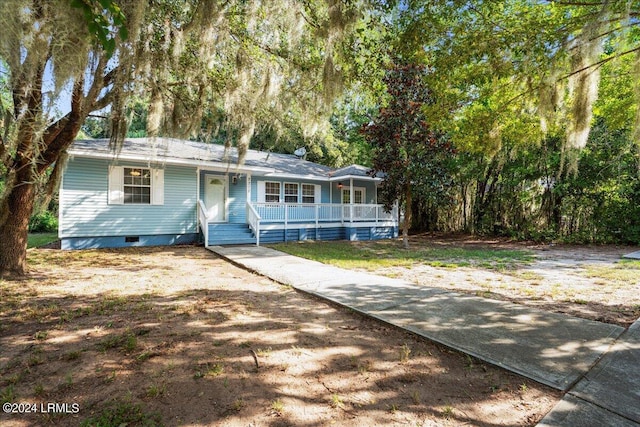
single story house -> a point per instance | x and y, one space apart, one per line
162 191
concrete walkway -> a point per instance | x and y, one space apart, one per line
554 349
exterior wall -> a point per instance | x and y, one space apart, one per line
369 186
277 235
324 186
122 242
88 220
237 202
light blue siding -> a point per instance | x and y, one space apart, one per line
237 202
85 211
122 241
369 186
330 233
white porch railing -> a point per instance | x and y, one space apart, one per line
322 212
253 219
203 221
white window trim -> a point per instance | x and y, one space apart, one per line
298 190
280 190
316 193
348 190
115 193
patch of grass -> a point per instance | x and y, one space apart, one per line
215 370
277 406
206 370
156 390
376 254
469 365
71 355
8 394
238 404
625 272
405 351
108 305
264 352
336 402
120 413
126 342
38 390
447 412
35 240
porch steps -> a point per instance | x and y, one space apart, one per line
230 234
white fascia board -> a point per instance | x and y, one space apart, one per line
203 164
362 178
298 177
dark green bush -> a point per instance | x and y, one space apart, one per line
44 222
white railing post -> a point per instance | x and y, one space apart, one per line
203 222
286 220
253 218
286 213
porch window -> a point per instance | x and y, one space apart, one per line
290 192
358 195
137 186
308 193
272 192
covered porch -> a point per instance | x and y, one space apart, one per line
347 221
250 208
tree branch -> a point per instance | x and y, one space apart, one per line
59 136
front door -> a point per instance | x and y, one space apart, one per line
215 195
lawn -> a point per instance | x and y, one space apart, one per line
36 240
176 336
592 282
372 255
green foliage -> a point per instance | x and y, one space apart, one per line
101 17
525 192
43 222
120 413
415 159
521 70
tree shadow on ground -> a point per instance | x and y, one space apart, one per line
232 351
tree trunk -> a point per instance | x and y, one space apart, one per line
407 218
14 230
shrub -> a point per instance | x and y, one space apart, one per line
44 222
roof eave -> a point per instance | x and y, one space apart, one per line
226 166
360 177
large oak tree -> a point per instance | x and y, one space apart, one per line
203 65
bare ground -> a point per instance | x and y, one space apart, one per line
176 336
588 281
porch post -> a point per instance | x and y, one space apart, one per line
350 199
248 181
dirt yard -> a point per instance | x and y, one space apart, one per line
591 282
177 337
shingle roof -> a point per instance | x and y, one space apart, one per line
165 149
353 170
